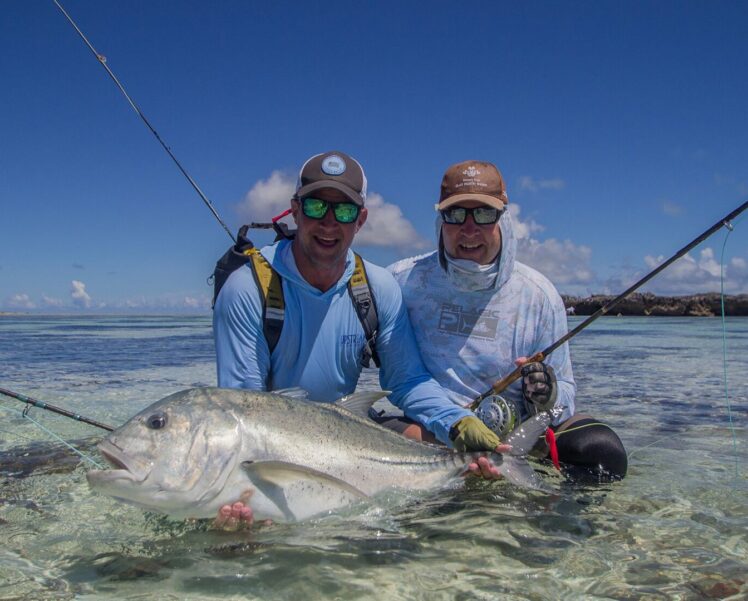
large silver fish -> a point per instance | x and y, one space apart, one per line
194 451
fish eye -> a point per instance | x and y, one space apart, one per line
156 421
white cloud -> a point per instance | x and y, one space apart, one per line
19 301
163 303
740 186
523 229
268 198
52 303
385 226
532 184
563 262
79 295
566 264
671 208
190 302
693 275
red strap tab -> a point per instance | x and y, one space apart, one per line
550 438
281 216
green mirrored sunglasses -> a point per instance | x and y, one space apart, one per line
315 208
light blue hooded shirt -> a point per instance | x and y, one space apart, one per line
469 337
320 345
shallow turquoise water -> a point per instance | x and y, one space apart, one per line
675 528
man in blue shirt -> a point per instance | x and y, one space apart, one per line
322 338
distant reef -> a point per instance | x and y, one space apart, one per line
697 305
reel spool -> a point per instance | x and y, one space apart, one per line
499 414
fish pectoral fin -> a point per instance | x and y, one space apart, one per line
359 402
282 473
297 392
518 471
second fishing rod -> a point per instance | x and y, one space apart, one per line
500 385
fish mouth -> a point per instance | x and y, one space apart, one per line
125 466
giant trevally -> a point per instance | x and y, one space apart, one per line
196 450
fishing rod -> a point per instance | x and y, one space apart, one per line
102 60
500 385
60 411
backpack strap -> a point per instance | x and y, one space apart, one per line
273 305
232 259
366 309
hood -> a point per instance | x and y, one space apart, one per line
506 256
280 257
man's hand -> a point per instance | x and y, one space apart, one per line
539 385
471 434
484 468
234 517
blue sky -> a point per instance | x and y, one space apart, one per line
620 128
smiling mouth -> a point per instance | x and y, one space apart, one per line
326 242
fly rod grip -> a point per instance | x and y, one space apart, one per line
501 385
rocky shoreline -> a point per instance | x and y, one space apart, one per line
697 305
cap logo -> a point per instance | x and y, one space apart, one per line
333 165
471 171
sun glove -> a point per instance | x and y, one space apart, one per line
539 387
471 434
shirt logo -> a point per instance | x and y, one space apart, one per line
355 340
333 165
455 320
471 171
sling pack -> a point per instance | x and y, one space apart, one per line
271 287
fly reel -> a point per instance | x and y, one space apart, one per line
499 414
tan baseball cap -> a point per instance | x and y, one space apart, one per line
473 180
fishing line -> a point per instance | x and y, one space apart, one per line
102 61
16 434
646 446
730 227
25 415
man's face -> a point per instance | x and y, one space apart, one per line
324 242
479 243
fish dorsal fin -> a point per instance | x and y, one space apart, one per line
358 403
525 436
297 392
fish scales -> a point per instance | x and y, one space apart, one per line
196 450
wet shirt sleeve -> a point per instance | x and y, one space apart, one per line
242 353
402 371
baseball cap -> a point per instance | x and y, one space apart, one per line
334 170
473 180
